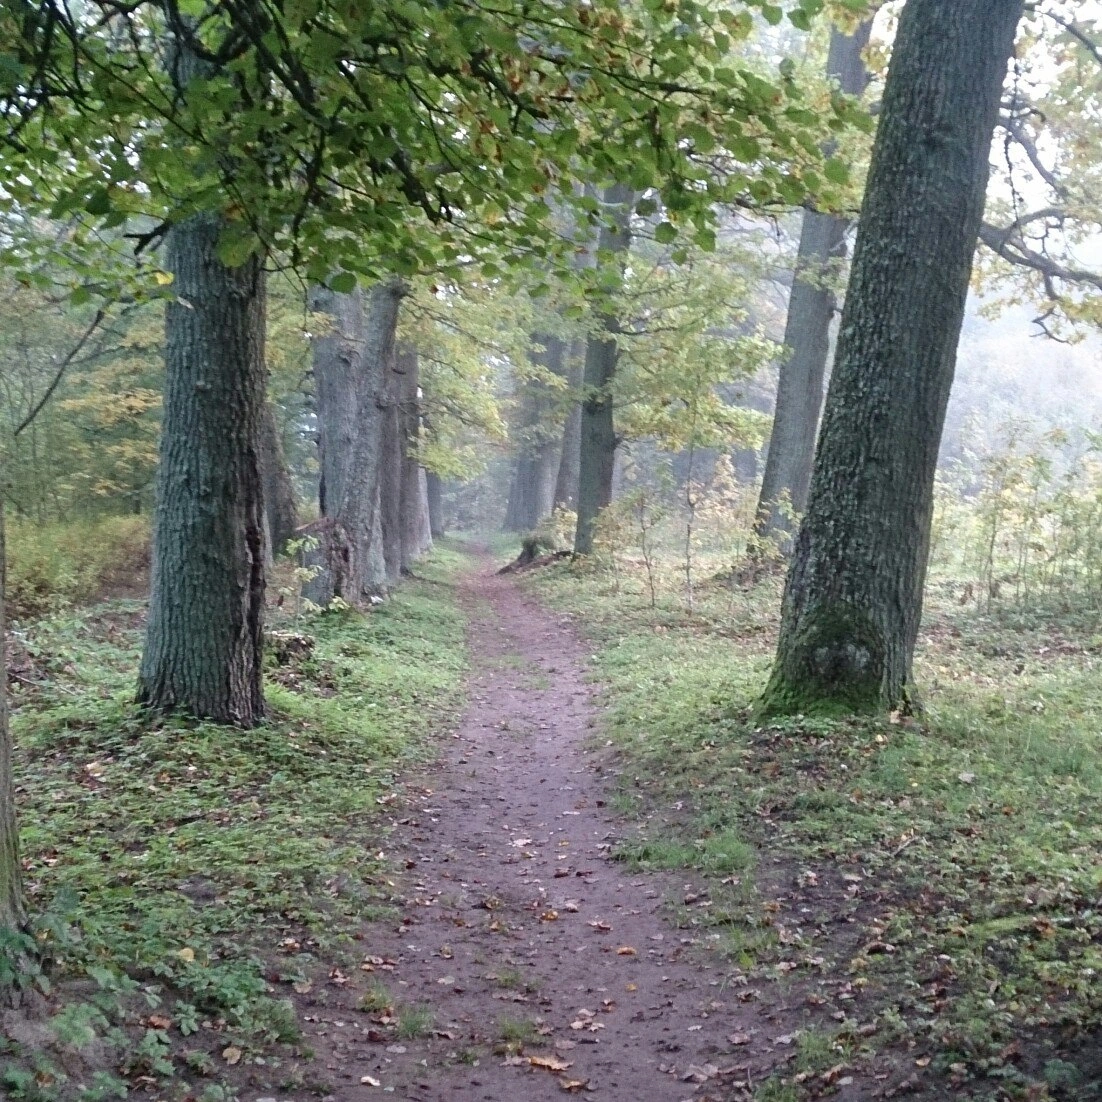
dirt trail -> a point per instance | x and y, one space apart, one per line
514 913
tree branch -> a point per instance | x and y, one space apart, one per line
38 407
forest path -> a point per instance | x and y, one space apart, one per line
516 923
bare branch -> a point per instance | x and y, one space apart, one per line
72 354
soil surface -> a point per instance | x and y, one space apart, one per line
548 967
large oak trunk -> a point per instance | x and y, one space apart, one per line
811 307
853 597
203 644
597 452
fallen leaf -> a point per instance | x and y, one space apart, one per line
186 954
158 1021
549 916
573 1084
625 951
699 1073
551 1063
739 1039
232 1054
370 1081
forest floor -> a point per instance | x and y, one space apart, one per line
521 837
540 963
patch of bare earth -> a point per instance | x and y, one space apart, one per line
546 966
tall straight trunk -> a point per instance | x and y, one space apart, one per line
280 506
434 494
351 369
203 642
853 597
12 913
414 506
811 308
390 474
597 454
532 490
566 481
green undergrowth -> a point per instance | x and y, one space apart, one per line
932 886
185 877
51 566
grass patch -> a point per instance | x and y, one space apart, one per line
185 875
943 875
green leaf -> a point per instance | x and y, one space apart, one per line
344 283
665 232
836 170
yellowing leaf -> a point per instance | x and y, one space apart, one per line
551 1063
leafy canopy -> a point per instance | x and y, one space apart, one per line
400 136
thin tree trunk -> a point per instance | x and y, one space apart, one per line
566 482
390 475
352 367
597 453
532 490
280 507
811 308
853 597
414 499
203 643
12 912
434 492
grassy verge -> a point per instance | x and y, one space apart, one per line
187 877
933 888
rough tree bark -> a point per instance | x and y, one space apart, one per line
280 507
413 500
532 489
434 492
566 482
597 453
351 368
203 643
12 913
811 308
853 597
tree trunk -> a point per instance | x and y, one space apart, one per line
390 475
434 492
532 490
351 370
597 454
811 307
853 597
413 495
203 642
280 507
12 913
566 483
